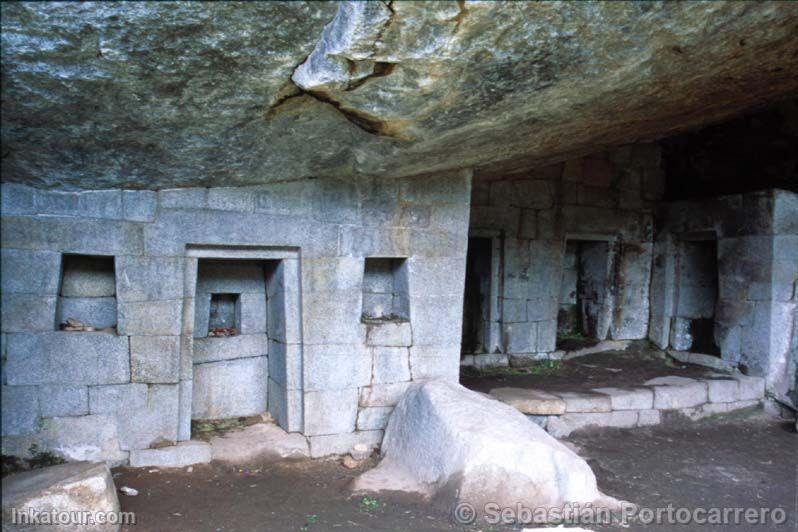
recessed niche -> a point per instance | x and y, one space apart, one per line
224 312
87 297
385 294
582 290
231 297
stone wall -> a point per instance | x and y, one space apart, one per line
606 197
757 262
98 395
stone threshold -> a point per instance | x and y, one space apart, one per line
561 413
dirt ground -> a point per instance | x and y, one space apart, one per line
747 461
634 366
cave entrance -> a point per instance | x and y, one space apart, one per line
480 302
583 292
693 326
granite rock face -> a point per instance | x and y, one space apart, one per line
159 95
460 446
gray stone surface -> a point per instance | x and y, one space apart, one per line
30 272
439 441
373 418
181 455
67 358
93 437
330 411
677 392
346 116
20 405
389 334
529 401
154 421
115 398
390 364
336 444
563 426
150 318
230 388
88 276
58 400
23 312
149 278
382 394
585 402
81 487
212 349
155 359
629 398
97 312
259 442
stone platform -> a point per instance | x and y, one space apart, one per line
632 405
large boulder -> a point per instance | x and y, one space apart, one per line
75 487
460 446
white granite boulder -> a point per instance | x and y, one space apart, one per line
74 487
459 446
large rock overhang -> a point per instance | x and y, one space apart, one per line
154 95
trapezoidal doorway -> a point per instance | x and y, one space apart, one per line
241 335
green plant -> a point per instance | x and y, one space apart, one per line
368 503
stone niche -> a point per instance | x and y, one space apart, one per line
385 292
245 327
695 294
584 289
88 291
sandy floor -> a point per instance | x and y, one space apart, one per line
740 461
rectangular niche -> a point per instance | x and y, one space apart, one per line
385 293
582 290
87 296
231 297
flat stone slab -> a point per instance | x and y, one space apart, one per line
263 441
629 398
674 392
700 359
181 455
72 487
585 402
606 345
529 401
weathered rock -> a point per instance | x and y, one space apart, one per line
403 90
446 441
74 487
183 454
258 442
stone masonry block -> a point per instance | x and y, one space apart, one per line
253 313
91 438
382 394
230 388
86 276
629 398
30 272
327 445
181 455
521 337
330 411
564 425
585 402
336 372
213 349
155 359
183 198
139 205
750 388
390 364
20 410
389 334
150 318
97 312
67 358
374 418
149 278
113 398
23 312
156 420
687 395
72 235
57 400
723 390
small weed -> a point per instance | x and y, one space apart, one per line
313 519
205 429
368 504
570 335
